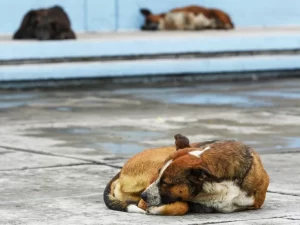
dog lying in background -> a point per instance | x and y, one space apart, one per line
45 24
213 176
187 18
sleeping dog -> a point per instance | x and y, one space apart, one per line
187 18
45 24
214 176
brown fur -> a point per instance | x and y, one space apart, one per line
257 177
45 24
135 176
217 19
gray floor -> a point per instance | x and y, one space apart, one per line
58 149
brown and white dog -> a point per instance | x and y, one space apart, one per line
187 18
214 176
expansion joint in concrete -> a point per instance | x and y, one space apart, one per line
49 167
235 221
284 193
61 156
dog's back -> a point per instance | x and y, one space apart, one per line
135 176
223 20
197 18
60 16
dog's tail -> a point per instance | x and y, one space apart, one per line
110 201
115 204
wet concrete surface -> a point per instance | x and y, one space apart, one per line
58 149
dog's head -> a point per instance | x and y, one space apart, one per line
179 179
40 24
187 172
45 26
152 21
48 24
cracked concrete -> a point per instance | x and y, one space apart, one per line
58 149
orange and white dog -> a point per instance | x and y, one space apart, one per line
187 18
214 176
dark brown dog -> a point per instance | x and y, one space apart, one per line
187 18
45 24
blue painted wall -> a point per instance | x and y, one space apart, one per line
12 12
111 15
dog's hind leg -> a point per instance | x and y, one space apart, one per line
115 204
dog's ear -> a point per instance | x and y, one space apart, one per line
25 31
145 12
181 141
198 175
29 19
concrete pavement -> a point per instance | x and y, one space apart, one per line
58 149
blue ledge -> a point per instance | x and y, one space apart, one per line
146 46
147 67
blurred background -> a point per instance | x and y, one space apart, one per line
118 15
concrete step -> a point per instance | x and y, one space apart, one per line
152 67
144 54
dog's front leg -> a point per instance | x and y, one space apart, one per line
142 204
173 209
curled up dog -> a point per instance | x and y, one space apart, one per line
187 18
45 24
214 176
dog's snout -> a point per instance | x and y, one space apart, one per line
144 196
150 27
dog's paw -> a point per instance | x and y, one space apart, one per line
135 209
155 210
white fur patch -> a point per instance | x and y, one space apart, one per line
155 210
201 22
135 209
207 148
197 153
177 19
163 169
224 196
161 24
